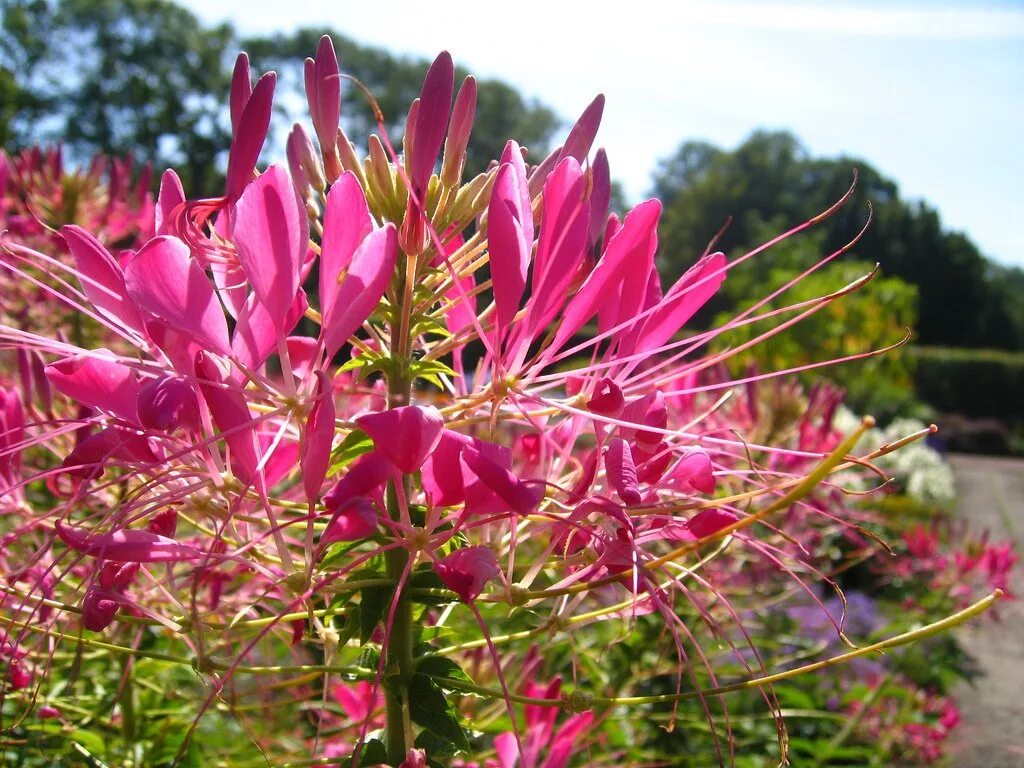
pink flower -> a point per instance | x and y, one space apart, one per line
466 571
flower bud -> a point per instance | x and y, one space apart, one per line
465 571
459 129
303 162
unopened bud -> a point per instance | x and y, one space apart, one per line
459 128
302 160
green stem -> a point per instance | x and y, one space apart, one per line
399 656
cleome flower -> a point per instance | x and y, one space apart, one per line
362 423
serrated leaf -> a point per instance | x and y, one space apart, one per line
430 708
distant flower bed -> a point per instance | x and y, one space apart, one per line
366 463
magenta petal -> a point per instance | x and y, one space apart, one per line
695 470
256 334
347 222
521 497
406 435
431 124
509 251
581 136
372 267
250 133
708 522
690 293
167 403
241 88
607 399
101 276
271 233
629 245
560 248
466 571
171 286
126 545
364 478
600 195
442 471
355 519
99 607
99 381
618 463
323 92
507 749
171 197
231 415
95 452
513 155
317 438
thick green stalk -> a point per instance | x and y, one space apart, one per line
399 661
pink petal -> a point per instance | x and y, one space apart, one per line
618 463
99 607
347 222
466 571
521 497
126 545
690 293
369 273
442 471
166 403
630 244
301 352
563 237
355 519
364 478
171 286
323 92
406 435
250 133
509 250
600 195
431 120
317 438
172 195
99 381
112 445
101 276
241 88
271 233
256 334
708 522
459 129
607 399
231 416
581 136
695 470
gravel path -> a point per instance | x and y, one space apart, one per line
991 495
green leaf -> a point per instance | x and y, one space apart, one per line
430 708
355 444
373 603
441 666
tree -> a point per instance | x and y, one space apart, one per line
770 183
120 76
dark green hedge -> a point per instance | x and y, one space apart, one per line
973 382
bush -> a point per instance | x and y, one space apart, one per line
972 382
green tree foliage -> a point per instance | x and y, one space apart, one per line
770 183
394 82
119 76
77 71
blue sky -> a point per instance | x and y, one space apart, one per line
931 94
